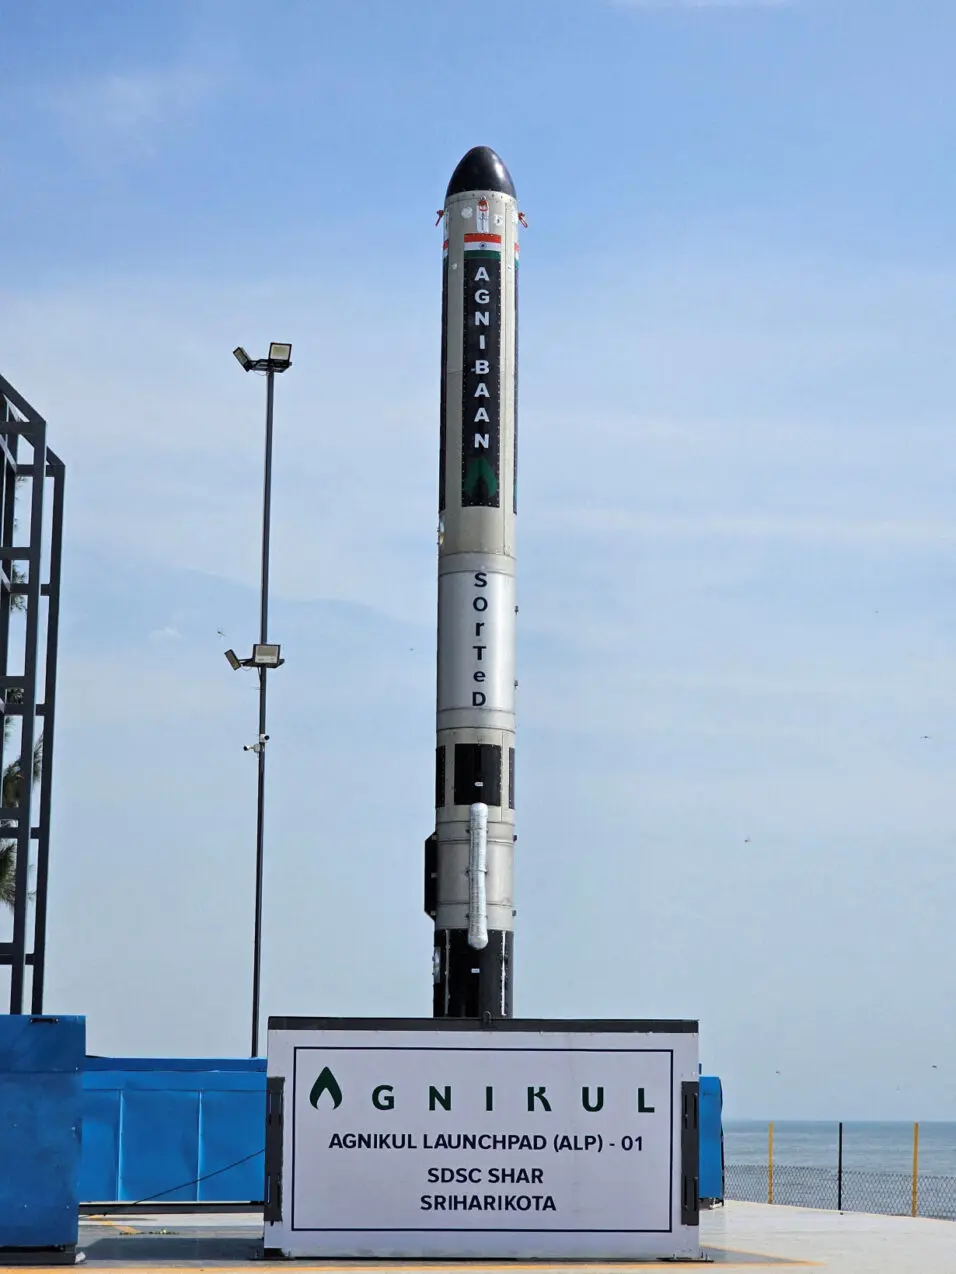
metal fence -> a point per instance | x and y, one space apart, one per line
844 1189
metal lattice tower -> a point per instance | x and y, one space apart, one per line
31 538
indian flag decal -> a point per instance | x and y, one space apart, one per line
516 253
444 248
483 245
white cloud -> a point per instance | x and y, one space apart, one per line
123 115
161 636
845 531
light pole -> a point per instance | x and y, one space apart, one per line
264 656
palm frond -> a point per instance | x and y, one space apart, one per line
10 784
8 873
14 696
18 601
10 798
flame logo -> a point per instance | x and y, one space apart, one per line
479 479
326 1083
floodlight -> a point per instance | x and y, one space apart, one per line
280 354
234 661
245 362
266 655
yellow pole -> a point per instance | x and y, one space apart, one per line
916 1170
770 1163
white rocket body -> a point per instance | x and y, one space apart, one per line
475 755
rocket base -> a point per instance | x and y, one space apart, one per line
473 983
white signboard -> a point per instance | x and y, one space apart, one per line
443 1142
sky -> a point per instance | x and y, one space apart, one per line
737 539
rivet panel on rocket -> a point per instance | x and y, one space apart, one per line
475 755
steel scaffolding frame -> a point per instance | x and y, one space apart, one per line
28 662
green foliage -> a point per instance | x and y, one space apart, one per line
10 798
18 601
8 873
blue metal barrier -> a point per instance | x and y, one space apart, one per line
184 1130
711 1140
41 1064
173 1130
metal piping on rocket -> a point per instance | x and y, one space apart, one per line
477 870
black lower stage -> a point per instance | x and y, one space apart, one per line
472 983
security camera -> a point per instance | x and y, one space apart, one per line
263 738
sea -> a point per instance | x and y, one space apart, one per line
867 1147
876 1174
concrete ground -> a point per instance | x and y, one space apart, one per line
740 1236
847 1243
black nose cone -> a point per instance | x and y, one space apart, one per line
480 169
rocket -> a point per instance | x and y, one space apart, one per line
469 859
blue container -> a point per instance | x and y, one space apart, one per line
173 1130
41 1095
711 1140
